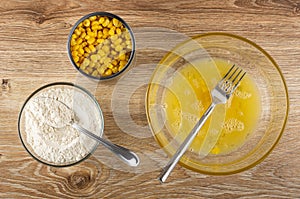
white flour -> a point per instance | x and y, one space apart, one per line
47 129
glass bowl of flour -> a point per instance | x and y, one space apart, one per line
59 145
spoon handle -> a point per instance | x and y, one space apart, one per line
124 154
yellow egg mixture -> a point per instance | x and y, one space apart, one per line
188 96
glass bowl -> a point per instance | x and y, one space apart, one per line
98 46
203 54
62 146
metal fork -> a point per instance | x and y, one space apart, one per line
220 94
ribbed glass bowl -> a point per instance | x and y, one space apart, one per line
272 90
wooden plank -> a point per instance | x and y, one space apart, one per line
33 53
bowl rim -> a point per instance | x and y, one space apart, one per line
266 55
62 84
107 14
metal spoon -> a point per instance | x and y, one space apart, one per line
124 154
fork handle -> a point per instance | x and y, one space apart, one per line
184 146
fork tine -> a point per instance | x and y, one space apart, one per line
228 71
239 80
230 84
237 75
233 73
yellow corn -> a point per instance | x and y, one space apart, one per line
77 32
110 66
105 31
97 65
99 41
123 63
113 52
120 68
93 18
129 47
122 57
76 59
111 32
73 42
94 58
95 33
101 20
108 41
92 64
95 28
91 34
87 50
92 48
79 41
90 70
95 23
114 69
118 31
84 44
105 48
81 51
128 42
107 61
91 40
74 53
118 41
116 22
81 29
108 72
95 73
100 34
110 25
86 23
74 48
105 23
85 63
74 36
101 70
101 53
81 59
82 35
114 62
127 36
119 48
87 37
114 37
102 60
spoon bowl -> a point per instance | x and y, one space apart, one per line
64 111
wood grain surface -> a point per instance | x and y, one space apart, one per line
33 36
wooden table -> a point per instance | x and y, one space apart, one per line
33 53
